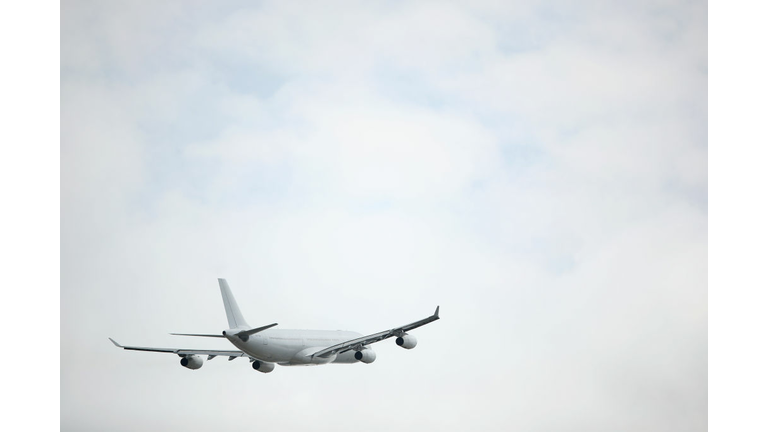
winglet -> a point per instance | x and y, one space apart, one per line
116 344
437 312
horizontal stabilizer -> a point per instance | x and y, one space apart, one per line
198 335
256 330
245 333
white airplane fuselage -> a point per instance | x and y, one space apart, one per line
294 347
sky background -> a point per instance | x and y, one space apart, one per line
537 169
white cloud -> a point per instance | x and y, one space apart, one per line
537 169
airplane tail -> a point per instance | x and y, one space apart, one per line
234 316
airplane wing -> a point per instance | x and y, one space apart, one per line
376 337
182 352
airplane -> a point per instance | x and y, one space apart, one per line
266 347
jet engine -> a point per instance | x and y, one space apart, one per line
192 362
263 367
365 356
406 341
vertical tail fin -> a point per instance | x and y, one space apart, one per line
234 316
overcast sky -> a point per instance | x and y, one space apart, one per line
538 169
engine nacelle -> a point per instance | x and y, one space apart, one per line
406 341
263 367
365 356
192 362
